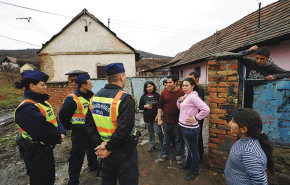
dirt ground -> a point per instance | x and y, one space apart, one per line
12 168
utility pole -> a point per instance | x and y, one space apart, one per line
28 18
109 23
259 16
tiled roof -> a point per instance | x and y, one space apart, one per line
275 24
32 66
13 60
85 12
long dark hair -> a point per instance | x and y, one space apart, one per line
252 120
25 83
192 82
145 86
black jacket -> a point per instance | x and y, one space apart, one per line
149 114
125 123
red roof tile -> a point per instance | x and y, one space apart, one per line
275 24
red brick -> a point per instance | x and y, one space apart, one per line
214 140
211 145
218 131
212 84
218 111
233 66
223 95
223 84
218 121
211 62
212 89
212 105
224 127
212 95
214 116
227 73
222 89
217 78
217 100
232 78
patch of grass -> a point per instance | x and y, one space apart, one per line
9 96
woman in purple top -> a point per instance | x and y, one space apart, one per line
192 109
252 153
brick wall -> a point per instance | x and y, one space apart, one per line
223 98
58 91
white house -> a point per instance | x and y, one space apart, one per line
27 67
9 63
85 44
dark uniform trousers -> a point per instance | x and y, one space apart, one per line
81 144
40 167
200 140
119 165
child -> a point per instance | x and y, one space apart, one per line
252 153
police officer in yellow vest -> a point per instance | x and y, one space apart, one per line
110 124
72 115
40 130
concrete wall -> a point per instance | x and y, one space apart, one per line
75 49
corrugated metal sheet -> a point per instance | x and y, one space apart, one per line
271 101
134 85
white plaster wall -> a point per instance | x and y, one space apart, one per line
75 39
67 63
25 67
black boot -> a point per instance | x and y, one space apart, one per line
184 167
191 176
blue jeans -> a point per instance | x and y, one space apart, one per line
190 137
154 127
169 129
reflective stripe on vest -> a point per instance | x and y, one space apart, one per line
81 111
47 112
105 112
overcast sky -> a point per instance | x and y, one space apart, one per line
163 27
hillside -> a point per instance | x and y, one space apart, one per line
23 56
144 54
149 60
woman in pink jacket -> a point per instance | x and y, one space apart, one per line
192 109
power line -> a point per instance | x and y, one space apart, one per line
156 26
19 41
26 24
35 9
33 21
154 29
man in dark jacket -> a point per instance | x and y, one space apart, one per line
262 67
110 122
72 115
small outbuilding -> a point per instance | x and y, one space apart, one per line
27 67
